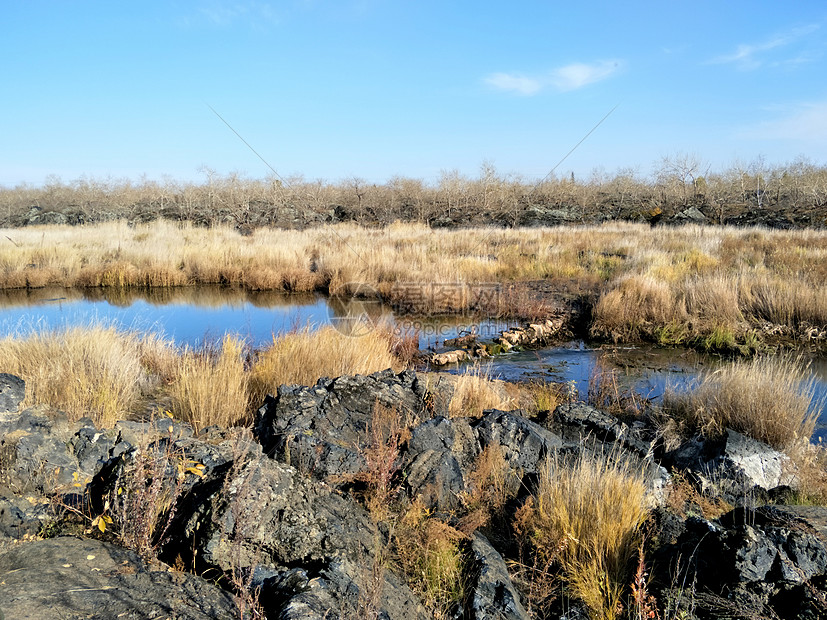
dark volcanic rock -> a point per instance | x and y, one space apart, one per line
440 453
262 513
770 561
526 445
323 429
734 466
583 427
343 590
12 392
492 594
73 579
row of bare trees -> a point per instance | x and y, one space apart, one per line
675 183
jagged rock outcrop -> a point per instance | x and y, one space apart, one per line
262 513
272 512
492 593
764 562
439 455
738 468
323 428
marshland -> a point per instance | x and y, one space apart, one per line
742 308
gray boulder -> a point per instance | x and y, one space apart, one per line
264 515
492 594
737 467
525 444
440 455
765 562
324 429
12 392
72 578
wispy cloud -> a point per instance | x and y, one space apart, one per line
578 75
519 84
754 55
806 122
565 78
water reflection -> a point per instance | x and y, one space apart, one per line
187 315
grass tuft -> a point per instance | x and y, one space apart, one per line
211 385
768 398
303 356
95 371
585 518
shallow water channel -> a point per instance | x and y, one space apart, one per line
194 315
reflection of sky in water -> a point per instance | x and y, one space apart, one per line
192 320
183 322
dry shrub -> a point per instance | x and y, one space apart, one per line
211 385
684 499
145 494
491 484
474 392
543 396
85 371
381 452
771 399
585 519
303 356
430 555
403 344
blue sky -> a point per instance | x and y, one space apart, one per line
375 88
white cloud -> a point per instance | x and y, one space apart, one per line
750 56
566 78
578 75
806 122
514 83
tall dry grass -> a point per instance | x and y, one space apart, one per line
97 372
771 399
584 518
211 385
109 374
303 356
475 391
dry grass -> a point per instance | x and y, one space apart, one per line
585 518
96 372
768 398
303 356
491 484
474 392
211 385
686 280
109 374
429 553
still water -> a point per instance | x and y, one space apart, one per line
193 315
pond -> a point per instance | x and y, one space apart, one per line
192 315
